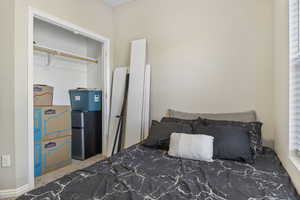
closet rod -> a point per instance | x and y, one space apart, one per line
62 53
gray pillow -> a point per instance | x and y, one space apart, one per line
180 121
254 130
248 116
230 142
160 133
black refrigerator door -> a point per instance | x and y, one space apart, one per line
93 125
78 118
86 134
78 144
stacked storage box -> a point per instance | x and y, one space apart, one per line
43 95
86 123
52 133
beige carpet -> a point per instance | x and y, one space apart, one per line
76 165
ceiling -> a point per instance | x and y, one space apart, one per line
114 3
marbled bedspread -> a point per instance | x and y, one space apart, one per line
143 173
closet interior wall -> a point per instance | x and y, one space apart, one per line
66 73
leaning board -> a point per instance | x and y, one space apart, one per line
146 103
135 93
118 90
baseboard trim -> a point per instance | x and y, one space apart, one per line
14 192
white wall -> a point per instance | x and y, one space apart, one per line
7 175
63 73
206 56
281 88
94 16
94 50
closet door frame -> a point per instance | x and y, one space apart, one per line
35 13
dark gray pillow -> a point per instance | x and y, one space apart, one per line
159 136
230 143
254 130
177 120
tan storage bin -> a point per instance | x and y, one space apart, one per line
52 154
42 95
51 122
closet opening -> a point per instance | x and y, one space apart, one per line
68 97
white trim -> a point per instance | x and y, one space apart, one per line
106 96
14 192
30 102
34 13
295 160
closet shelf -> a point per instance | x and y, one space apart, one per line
57 52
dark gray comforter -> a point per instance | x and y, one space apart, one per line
143 173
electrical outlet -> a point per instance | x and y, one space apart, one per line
5 160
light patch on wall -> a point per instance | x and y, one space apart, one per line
114 3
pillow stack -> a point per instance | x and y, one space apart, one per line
229 136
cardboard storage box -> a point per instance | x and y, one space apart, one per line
52 154
42 95
51 122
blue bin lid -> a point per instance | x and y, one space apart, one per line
85 89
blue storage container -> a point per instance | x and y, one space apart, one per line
86 99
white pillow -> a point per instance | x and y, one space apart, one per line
196 147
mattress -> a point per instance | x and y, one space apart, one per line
143 173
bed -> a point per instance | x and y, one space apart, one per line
144 173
